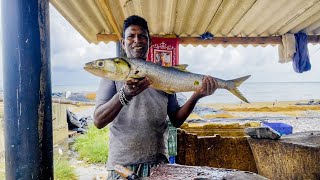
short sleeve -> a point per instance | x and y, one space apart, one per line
107 89
173 104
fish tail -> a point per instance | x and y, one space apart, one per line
237 82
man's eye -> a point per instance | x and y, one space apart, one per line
143 36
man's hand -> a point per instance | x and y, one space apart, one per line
135 86
209 86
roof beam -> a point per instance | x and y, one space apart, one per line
108 37
219 40
240 40
107 11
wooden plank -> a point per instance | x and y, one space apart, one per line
220 40
240 40
107 11
107 37
230 40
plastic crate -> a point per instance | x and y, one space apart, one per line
282 128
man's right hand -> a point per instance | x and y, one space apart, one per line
135 86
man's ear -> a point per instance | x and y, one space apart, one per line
122 43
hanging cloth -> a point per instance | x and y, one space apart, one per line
287 49
301 62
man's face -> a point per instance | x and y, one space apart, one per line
135 42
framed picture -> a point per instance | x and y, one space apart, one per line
163 57
164 51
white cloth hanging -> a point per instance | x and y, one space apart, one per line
287 49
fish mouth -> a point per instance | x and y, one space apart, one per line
88 66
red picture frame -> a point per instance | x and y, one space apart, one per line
164 51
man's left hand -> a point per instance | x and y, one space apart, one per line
209 86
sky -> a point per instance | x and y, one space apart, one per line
70 51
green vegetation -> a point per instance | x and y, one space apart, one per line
62 169
93 146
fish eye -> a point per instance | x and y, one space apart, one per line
100 63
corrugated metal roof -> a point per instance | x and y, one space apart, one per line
191 18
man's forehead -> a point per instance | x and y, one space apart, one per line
136 29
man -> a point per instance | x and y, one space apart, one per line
138 130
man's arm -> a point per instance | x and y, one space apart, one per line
108 102
105 113
209 85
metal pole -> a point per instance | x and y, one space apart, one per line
27 89
119 50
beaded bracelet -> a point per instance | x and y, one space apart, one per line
122 97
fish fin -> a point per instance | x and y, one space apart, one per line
237 93
181 67
237 82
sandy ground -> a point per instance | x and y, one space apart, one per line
301 117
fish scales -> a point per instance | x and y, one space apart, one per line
167 78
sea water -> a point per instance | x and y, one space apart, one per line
267 92
253 91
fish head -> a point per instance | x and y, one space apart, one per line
116 69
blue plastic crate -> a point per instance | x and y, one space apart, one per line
282 128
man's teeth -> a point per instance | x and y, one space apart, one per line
137 47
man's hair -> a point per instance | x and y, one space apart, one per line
135 20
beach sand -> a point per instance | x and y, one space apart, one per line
300 117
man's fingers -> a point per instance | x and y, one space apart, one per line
141 82
133 81
136 86
211 84
208 85
129 82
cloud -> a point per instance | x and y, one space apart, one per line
70 51
260 62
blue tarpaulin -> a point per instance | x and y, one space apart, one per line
301 62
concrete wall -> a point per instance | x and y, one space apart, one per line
59 123
215 151
294 156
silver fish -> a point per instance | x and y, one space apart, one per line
169 79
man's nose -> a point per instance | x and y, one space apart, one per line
137 38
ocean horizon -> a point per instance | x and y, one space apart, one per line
253 91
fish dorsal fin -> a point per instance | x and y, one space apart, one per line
181 67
